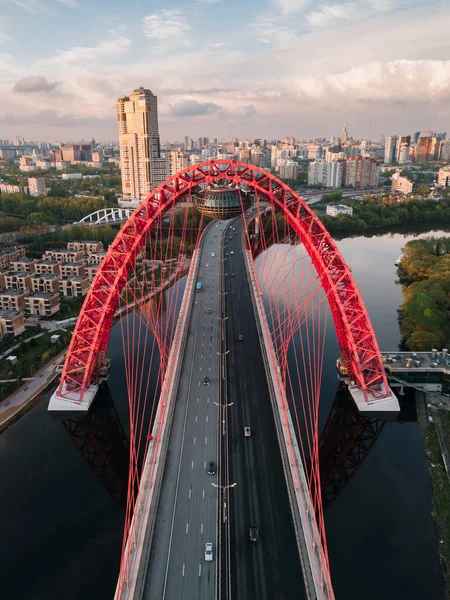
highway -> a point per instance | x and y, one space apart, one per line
270 568
187 511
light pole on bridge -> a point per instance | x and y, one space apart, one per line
224 489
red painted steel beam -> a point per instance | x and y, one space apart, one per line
356 337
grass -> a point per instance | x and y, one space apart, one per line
441 493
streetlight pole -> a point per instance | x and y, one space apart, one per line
224 489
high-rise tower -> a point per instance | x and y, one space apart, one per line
141 164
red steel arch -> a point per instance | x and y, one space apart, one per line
356 337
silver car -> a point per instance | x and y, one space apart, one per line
208 551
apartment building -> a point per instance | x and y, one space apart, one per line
75 269
64 255
85 246
27 265
13 300
45 282
9 255
48 266
11 323
18 281
400 184
91 271
42 304
74 287
362 172
444 177
95 258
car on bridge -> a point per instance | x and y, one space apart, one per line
206 381
233 274
253 533
211 468
241 337
208 551
247 432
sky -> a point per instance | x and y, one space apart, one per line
225 68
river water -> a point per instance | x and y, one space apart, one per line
62 530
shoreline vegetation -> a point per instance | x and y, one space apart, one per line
424 273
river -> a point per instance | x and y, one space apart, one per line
62 531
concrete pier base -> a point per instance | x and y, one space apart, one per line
69 401
385 408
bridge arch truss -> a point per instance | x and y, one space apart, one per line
107 215
356 337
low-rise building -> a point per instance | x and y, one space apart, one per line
11 323
75 269
91 271
36 186
24 265
48 266
46 282
9 255
42 304
95 258
85 246
335 210
74 287
63 255
18 280
444 177
400 184
13 300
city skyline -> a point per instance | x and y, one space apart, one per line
279 67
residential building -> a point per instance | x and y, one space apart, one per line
178 160
11 323
85 246
141 164
9 255
344 135
444 177
46 282
48 266
95 258
7 153
288 169
390 147
335 210
91 270
427 148
18 281
314 151
444 151
2 280
36 186
27 265
361 172
326 174
403 148
73 269
12 300
400 184
64 255
8 188
74 287
42 304
76 152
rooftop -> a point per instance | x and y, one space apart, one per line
44 295
47 261
18 274
9 314
10 292
45 276
74 278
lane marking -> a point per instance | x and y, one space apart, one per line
190 492
183 568
199 570
192 466
204 465
187 527
200 367
196 418
206 440
203 493
207 418
201 528
194 439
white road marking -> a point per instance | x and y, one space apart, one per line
207 418
187 527
199 570
194 439
201 528
192 466
200 367
196 418
198 399
203 493
190 493
210 368
204 465
206 440
184 566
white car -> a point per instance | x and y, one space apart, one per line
247 432
208 551
232 252
212 254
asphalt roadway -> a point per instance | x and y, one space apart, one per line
187 511
269 569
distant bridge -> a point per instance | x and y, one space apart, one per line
106 215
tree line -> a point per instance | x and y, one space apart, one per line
424 272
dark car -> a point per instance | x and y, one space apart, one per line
211 467
206 381
233 274
241 337
253 533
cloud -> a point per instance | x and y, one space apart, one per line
207 1
189 107
333 15
32 6
269 29
92 54
71 3
286 7
241 112
167 26
31 85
